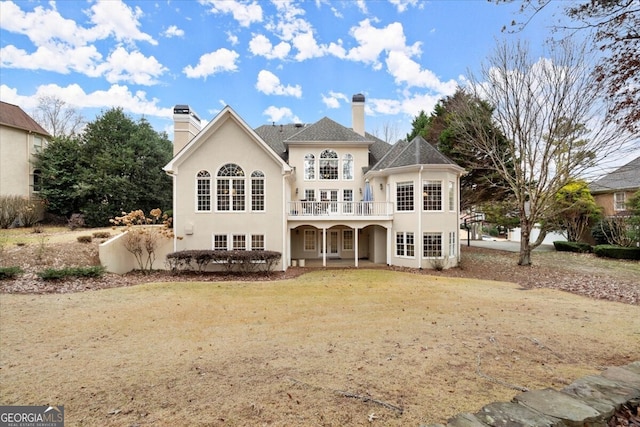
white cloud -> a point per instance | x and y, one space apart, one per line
74 95
373 41
116 19
214 62
407 71
402 5
269 84
261 46
132 67
275 114
173 31
333 99
244 12
232 38
59 58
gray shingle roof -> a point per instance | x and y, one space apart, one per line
326 130
414 152
275 135
13 116
626 177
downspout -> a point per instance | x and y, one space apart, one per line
419 236
286 235
173 205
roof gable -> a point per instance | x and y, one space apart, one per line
410 153
13 116
626 177
227 113
326 130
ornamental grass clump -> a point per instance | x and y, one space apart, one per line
143 234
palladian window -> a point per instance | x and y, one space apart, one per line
230 188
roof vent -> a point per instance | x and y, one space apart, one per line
298 125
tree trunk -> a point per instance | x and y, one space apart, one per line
525 246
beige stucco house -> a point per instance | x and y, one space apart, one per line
317 191
20 138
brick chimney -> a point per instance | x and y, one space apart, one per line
357 113
186 125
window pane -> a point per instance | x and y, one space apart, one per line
220 242
257 242
404 196
347 166
203 189
239 242
400 244
452 196
309 240
309 167
432 245
432 195
257 191
328 165
347 240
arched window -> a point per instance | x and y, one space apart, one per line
203 191
257 191
328 168
309 167
347 166
230 188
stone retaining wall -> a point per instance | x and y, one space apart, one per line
589 401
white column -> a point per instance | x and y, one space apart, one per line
355 238
324 247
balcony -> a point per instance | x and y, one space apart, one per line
333 210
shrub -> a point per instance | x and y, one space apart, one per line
101 234
19 211
562 246
617 252
63 273
85 239
243 261
76 221
10 272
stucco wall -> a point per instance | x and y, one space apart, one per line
117 259
15 162
229 143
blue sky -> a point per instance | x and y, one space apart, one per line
280 61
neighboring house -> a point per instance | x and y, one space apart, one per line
20 138
313 191
613 191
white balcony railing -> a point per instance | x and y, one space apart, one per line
353 209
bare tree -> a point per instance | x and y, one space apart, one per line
57 117
614 28
551 113
389 132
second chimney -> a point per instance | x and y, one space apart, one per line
357 113
186 125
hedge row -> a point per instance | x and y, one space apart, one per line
604 251
10 272
243 261
617 252
562 246
63 273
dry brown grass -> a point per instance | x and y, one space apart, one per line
279 353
